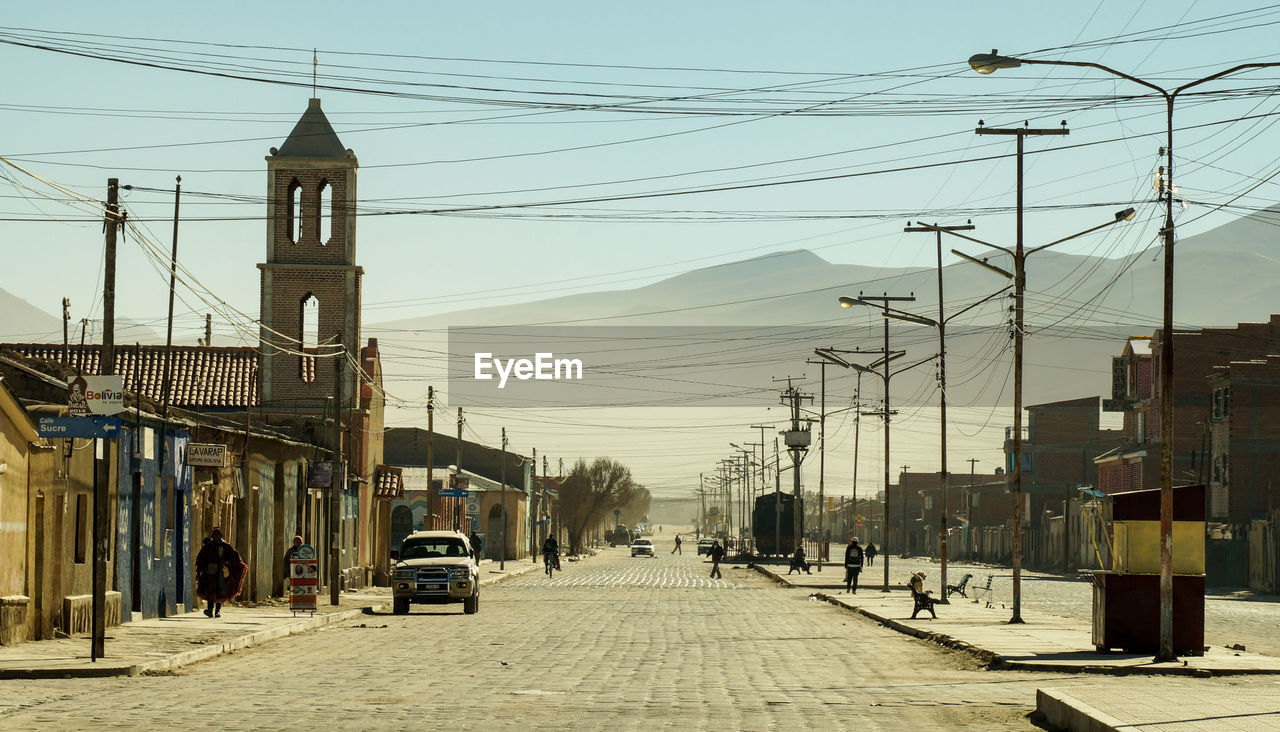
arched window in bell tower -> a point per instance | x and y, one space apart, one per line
310 338
324 212
293 211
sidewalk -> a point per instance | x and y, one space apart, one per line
156 644
1058 644
1042 643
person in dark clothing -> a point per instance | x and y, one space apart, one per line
852 566
798 562
475 542
289 554
717 553
677 550
551 547
219 573
871 554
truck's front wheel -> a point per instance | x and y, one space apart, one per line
400 606
471 605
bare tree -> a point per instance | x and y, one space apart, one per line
590 492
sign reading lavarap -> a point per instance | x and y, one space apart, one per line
205 455
100 395
101 428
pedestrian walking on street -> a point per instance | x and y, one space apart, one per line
871 554
798 563
852 566
717 553
677 550
475 542
219 573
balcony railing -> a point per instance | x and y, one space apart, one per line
1026 433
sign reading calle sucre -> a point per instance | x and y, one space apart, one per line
204 455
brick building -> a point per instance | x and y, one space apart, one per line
1243 468
920 496
1135 391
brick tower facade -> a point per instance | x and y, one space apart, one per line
310 281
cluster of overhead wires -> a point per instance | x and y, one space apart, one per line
595 109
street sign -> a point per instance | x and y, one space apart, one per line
101 428
453 493
100 395
542 522
304 580
206 455
320 475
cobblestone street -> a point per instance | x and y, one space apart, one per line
611 642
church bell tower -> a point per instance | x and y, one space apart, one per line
310 281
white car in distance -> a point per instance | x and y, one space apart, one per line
642 546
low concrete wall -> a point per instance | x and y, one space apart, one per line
15 625
77 612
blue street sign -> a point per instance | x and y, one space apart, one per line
543 522
453 493
101 428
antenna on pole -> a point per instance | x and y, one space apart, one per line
315 62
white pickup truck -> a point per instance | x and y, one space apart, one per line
435 567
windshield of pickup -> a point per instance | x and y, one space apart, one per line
431 548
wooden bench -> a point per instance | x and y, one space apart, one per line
984 591
959 587
923 601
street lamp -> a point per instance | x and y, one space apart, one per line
837 357
941 325
986 63
1019 277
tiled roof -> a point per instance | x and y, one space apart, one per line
387 483
203 376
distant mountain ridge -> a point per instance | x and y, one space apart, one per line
1226 275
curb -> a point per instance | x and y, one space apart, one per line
1064 711
212 651
508 575
195 655
996 662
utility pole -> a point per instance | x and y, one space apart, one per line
502 491
457 507
886 356
167 380
1019 287
339 477
102 468
208 329
66 332
763 476
857 434
822 454
533 509
796 444
433 494
943 476
702 506
968 512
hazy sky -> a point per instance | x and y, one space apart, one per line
504 107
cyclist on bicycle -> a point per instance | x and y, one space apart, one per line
551 552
